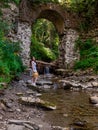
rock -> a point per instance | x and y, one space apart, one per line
19 94
2 92
91 78
18 110
19 122
94 84
35 88
94 99
38 94
80 123
15 127
29 81
1 117
4 85
22 123
22 83
9 105
69 84
96 105
46 87
6 103
59 128
38 102
34 93
30 92
43 82
34 127
2 106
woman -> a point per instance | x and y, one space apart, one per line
34 71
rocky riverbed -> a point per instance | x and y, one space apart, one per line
16 116
28 114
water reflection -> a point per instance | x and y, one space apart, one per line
71 106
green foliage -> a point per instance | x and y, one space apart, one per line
41 52
88 54
5 27
85 63
4 2
45 41
4 70
85 9
84 45
16 1
10 62
46 1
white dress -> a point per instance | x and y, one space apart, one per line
34 69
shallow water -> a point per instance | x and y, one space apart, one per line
71 107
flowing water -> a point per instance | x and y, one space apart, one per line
72 107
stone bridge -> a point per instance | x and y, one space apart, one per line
65 22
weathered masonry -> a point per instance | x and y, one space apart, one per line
64 22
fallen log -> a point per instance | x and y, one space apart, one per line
46 63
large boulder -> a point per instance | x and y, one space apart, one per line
94 99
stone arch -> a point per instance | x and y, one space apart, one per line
64 22
29 12
55 18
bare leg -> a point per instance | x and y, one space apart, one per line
35 80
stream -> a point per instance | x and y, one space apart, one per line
73 109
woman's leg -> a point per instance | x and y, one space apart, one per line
34 79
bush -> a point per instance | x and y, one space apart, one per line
41 52
88 54
10 61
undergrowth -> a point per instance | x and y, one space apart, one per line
88 55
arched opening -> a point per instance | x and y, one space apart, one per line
54 17
44 44
64 24
44 41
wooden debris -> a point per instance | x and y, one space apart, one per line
45 63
